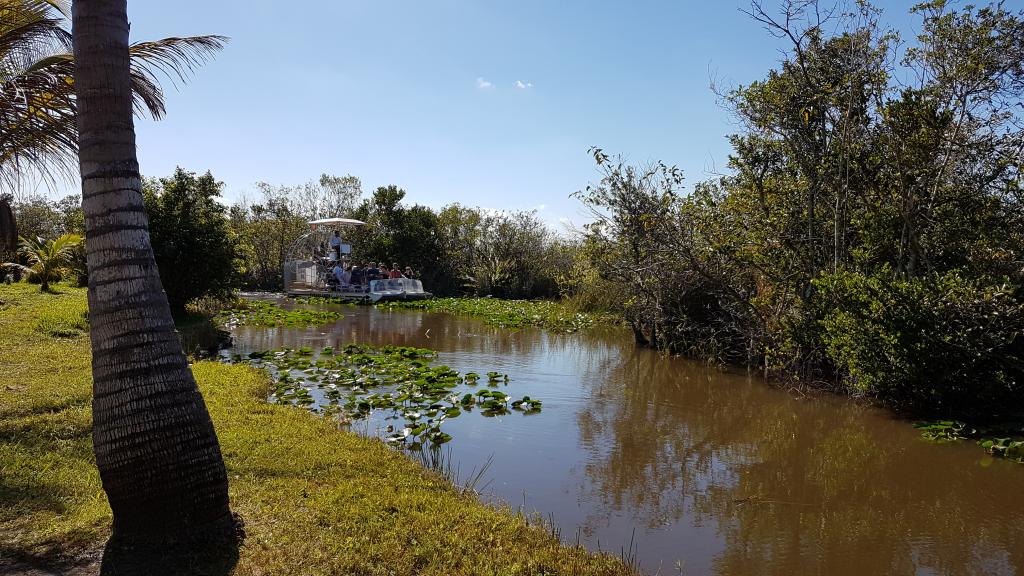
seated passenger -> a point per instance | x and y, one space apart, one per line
408 273
372 272
339 274
395 272
343 275
358 277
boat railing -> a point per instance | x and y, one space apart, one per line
397 285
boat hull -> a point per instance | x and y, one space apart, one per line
399 296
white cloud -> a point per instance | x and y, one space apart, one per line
523 85
483 84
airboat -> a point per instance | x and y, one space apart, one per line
309 265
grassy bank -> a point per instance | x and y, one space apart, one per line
511 313
316 500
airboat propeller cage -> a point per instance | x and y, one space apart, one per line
300 264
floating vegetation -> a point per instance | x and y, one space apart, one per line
326 300
268 314
1010 447
509 313
356 380
1004 448
942 431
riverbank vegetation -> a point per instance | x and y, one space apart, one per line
868 237
547 314
315 499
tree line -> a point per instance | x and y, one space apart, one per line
869 234
205 248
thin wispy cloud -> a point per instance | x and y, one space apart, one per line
484 84
523 85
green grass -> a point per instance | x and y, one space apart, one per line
316 500
511 313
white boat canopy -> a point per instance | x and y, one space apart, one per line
335 222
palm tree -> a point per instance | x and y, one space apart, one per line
8 228
48 259
38 134
156 449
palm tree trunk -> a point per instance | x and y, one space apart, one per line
8 229
155 445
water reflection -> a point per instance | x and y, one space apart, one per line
790 486
706 467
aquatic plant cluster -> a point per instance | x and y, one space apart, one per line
357 379
1002 442
510 313
325 300
270 315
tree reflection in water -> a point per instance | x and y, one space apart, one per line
816 485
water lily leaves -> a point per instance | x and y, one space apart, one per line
356 380
440 438
1004 448
527 405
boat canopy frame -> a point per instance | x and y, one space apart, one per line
306 257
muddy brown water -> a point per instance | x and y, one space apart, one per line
704 471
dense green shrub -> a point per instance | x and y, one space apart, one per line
191 241
938 345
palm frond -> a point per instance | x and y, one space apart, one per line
37 122
175 58
64 244
29 29
48 259
38 132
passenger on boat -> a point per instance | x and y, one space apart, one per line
343 275
408 272
336 245
358 276
372 272
395 271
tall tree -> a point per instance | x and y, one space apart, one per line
155 445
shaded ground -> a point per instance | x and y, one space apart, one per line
83 567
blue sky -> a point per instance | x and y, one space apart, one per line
424 94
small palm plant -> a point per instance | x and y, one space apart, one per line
48 259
